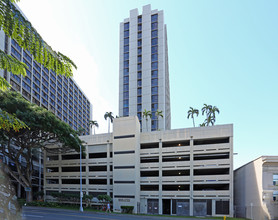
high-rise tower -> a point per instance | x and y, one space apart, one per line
144 75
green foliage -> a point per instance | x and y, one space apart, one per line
104 198
44 131
8 121
4 85
109 115
12 64
127 209
44 204
15 26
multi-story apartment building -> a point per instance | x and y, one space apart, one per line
178 172
144 75
256 189
42 86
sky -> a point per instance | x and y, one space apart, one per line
222 53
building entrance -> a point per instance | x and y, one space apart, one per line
152 206
166 204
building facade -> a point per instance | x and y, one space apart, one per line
256 189
178 172
144 74
56 93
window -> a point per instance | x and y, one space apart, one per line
139 59
275 179
126 48
154 41
126 79
139 67
126 64
126 26
139 91
139 51
139 27
126 87
139 99
126 56
154 26
139 75
126 95
126 71
139 108
154 90
139 35
139 83
125 111
154 74
154 17
126 41
154 57
154 82
154 33
154 49
126 33
154 65
154 98
139 43
139 19
126 103
275 196
154 107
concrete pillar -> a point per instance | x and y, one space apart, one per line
160 179
108 168
191 178
213 207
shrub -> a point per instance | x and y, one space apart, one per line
127 209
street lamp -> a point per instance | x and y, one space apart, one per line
81 194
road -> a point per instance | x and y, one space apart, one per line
40 213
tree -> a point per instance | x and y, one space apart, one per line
213 111
15 26
110 117
45 132
206 110
146 115
94 124
104 199
191 112
158 114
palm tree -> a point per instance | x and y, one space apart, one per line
191 112
209 120
93 124
213 110
146 115
206 110
110 117
158 114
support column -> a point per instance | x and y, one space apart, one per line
213 207
108 168
160 179
191 177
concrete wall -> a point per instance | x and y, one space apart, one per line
254 188
157 172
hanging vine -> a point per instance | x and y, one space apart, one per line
15 26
